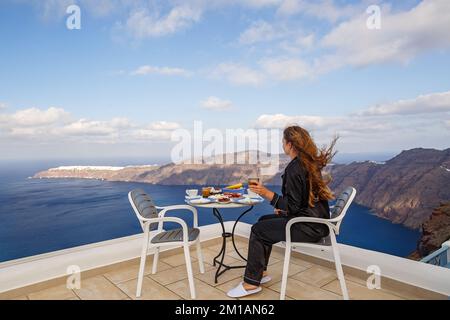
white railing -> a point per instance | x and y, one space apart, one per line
440 257
27 271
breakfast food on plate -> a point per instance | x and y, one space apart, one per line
235 186
232 195
215 191
223 199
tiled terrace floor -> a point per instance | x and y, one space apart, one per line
306 281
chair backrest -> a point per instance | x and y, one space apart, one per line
341 206
143 205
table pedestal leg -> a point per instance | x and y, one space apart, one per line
234 227
222 252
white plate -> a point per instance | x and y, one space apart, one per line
253 197
200 201
247 200
192 198
218 202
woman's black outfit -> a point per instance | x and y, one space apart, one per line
270 229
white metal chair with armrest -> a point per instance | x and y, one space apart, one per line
328 243
148 214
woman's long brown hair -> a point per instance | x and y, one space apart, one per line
314 160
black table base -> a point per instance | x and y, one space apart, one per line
222 252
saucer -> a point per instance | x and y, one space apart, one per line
192 198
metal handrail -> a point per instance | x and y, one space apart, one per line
438 257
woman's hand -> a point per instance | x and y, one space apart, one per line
262 191
280 212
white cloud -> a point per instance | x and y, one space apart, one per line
214 103
259 31
3 105
164 125
85 127
102 8
121 123
50 9
167 71
238 74
58 126
26 131
366 120
403 36
430 103
285 69
362 133
321 9
153 135
258 3
366 131
299 44
280 121
156 131
290 38
38 117
54 9
143 23
270 69
145 18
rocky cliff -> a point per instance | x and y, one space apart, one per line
405 189
435 231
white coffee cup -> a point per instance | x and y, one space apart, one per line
192 192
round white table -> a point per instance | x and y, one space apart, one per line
215 206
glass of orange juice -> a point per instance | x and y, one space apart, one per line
206 192
253 181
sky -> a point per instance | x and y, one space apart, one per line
137 70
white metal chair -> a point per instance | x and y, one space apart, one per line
148 214
328 243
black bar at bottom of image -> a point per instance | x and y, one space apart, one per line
270 309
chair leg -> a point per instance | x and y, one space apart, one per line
142 266
339 271
155 261
287 257
187 257
200 257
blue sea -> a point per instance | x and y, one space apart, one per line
44 215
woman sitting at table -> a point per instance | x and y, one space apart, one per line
304 193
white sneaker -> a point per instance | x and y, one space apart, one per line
240 292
